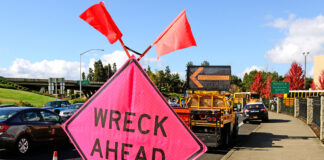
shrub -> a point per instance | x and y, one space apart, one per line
23 103
78 100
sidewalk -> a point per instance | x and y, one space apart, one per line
283 137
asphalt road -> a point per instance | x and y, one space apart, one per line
68 152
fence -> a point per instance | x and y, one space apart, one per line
270 104
303 108
287 105
316 111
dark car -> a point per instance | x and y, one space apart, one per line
22 128
57 106
255 111
7 105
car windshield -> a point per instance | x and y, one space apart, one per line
57 103
76 106
254 106
5 114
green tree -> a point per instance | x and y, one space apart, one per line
114 68
83 76
99 73
309 81
205 63
90 74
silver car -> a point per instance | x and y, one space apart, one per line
65 114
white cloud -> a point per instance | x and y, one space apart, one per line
70 70
44 69
120 57
301 35
249 69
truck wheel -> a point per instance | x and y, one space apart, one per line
23 145
226 138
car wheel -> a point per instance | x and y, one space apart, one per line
265 119
23 145
57 112
244 121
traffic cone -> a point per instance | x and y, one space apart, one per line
55 155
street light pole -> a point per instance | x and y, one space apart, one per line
80 66
305 54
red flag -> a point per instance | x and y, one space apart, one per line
176 36
99 18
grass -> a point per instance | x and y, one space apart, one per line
10 96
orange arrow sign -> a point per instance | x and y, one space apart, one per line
206 77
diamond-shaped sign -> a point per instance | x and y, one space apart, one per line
128 118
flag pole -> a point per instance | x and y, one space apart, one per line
147 49
122 43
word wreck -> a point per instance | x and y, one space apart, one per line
124 123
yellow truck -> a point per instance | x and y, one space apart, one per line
211 116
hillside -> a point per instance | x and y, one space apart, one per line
10 96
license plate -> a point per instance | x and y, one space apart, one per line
255 117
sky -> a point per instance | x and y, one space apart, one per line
42 39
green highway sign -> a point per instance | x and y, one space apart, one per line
84 82
279 87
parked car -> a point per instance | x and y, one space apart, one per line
255 111
22 128
65 114
7 105
57 106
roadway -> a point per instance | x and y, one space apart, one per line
68 152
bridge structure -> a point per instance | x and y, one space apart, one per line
42 85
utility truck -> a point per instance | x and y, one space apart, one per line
210 114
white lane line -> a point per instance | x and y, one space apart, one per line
241 124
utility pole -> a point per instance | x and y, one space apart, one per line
305 54
80 67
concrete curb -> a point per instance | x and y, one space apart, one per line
229 154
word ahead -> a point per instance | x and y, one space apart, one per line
209 77
128 118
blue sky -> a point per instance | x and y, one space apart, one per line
41 39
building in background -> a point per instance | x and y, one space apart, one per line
318 67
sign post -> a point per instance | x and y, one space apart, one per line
128 118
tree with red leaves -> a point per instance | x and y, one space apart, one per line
258 84
295 77
313 86
267 89
321 81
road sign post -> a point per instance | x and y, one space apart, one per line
128 118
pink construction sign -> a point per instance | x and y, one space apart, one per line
128 118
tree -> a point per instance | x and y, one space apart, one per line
83 76
309 81
267 88
321 81
258 84
114 68
90 74
205 63
248 79
313 86
99 72
295 77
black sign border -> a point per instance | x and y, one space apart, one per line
161 96
188 76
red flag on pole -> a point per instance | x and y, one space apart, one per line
99 18
176 36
